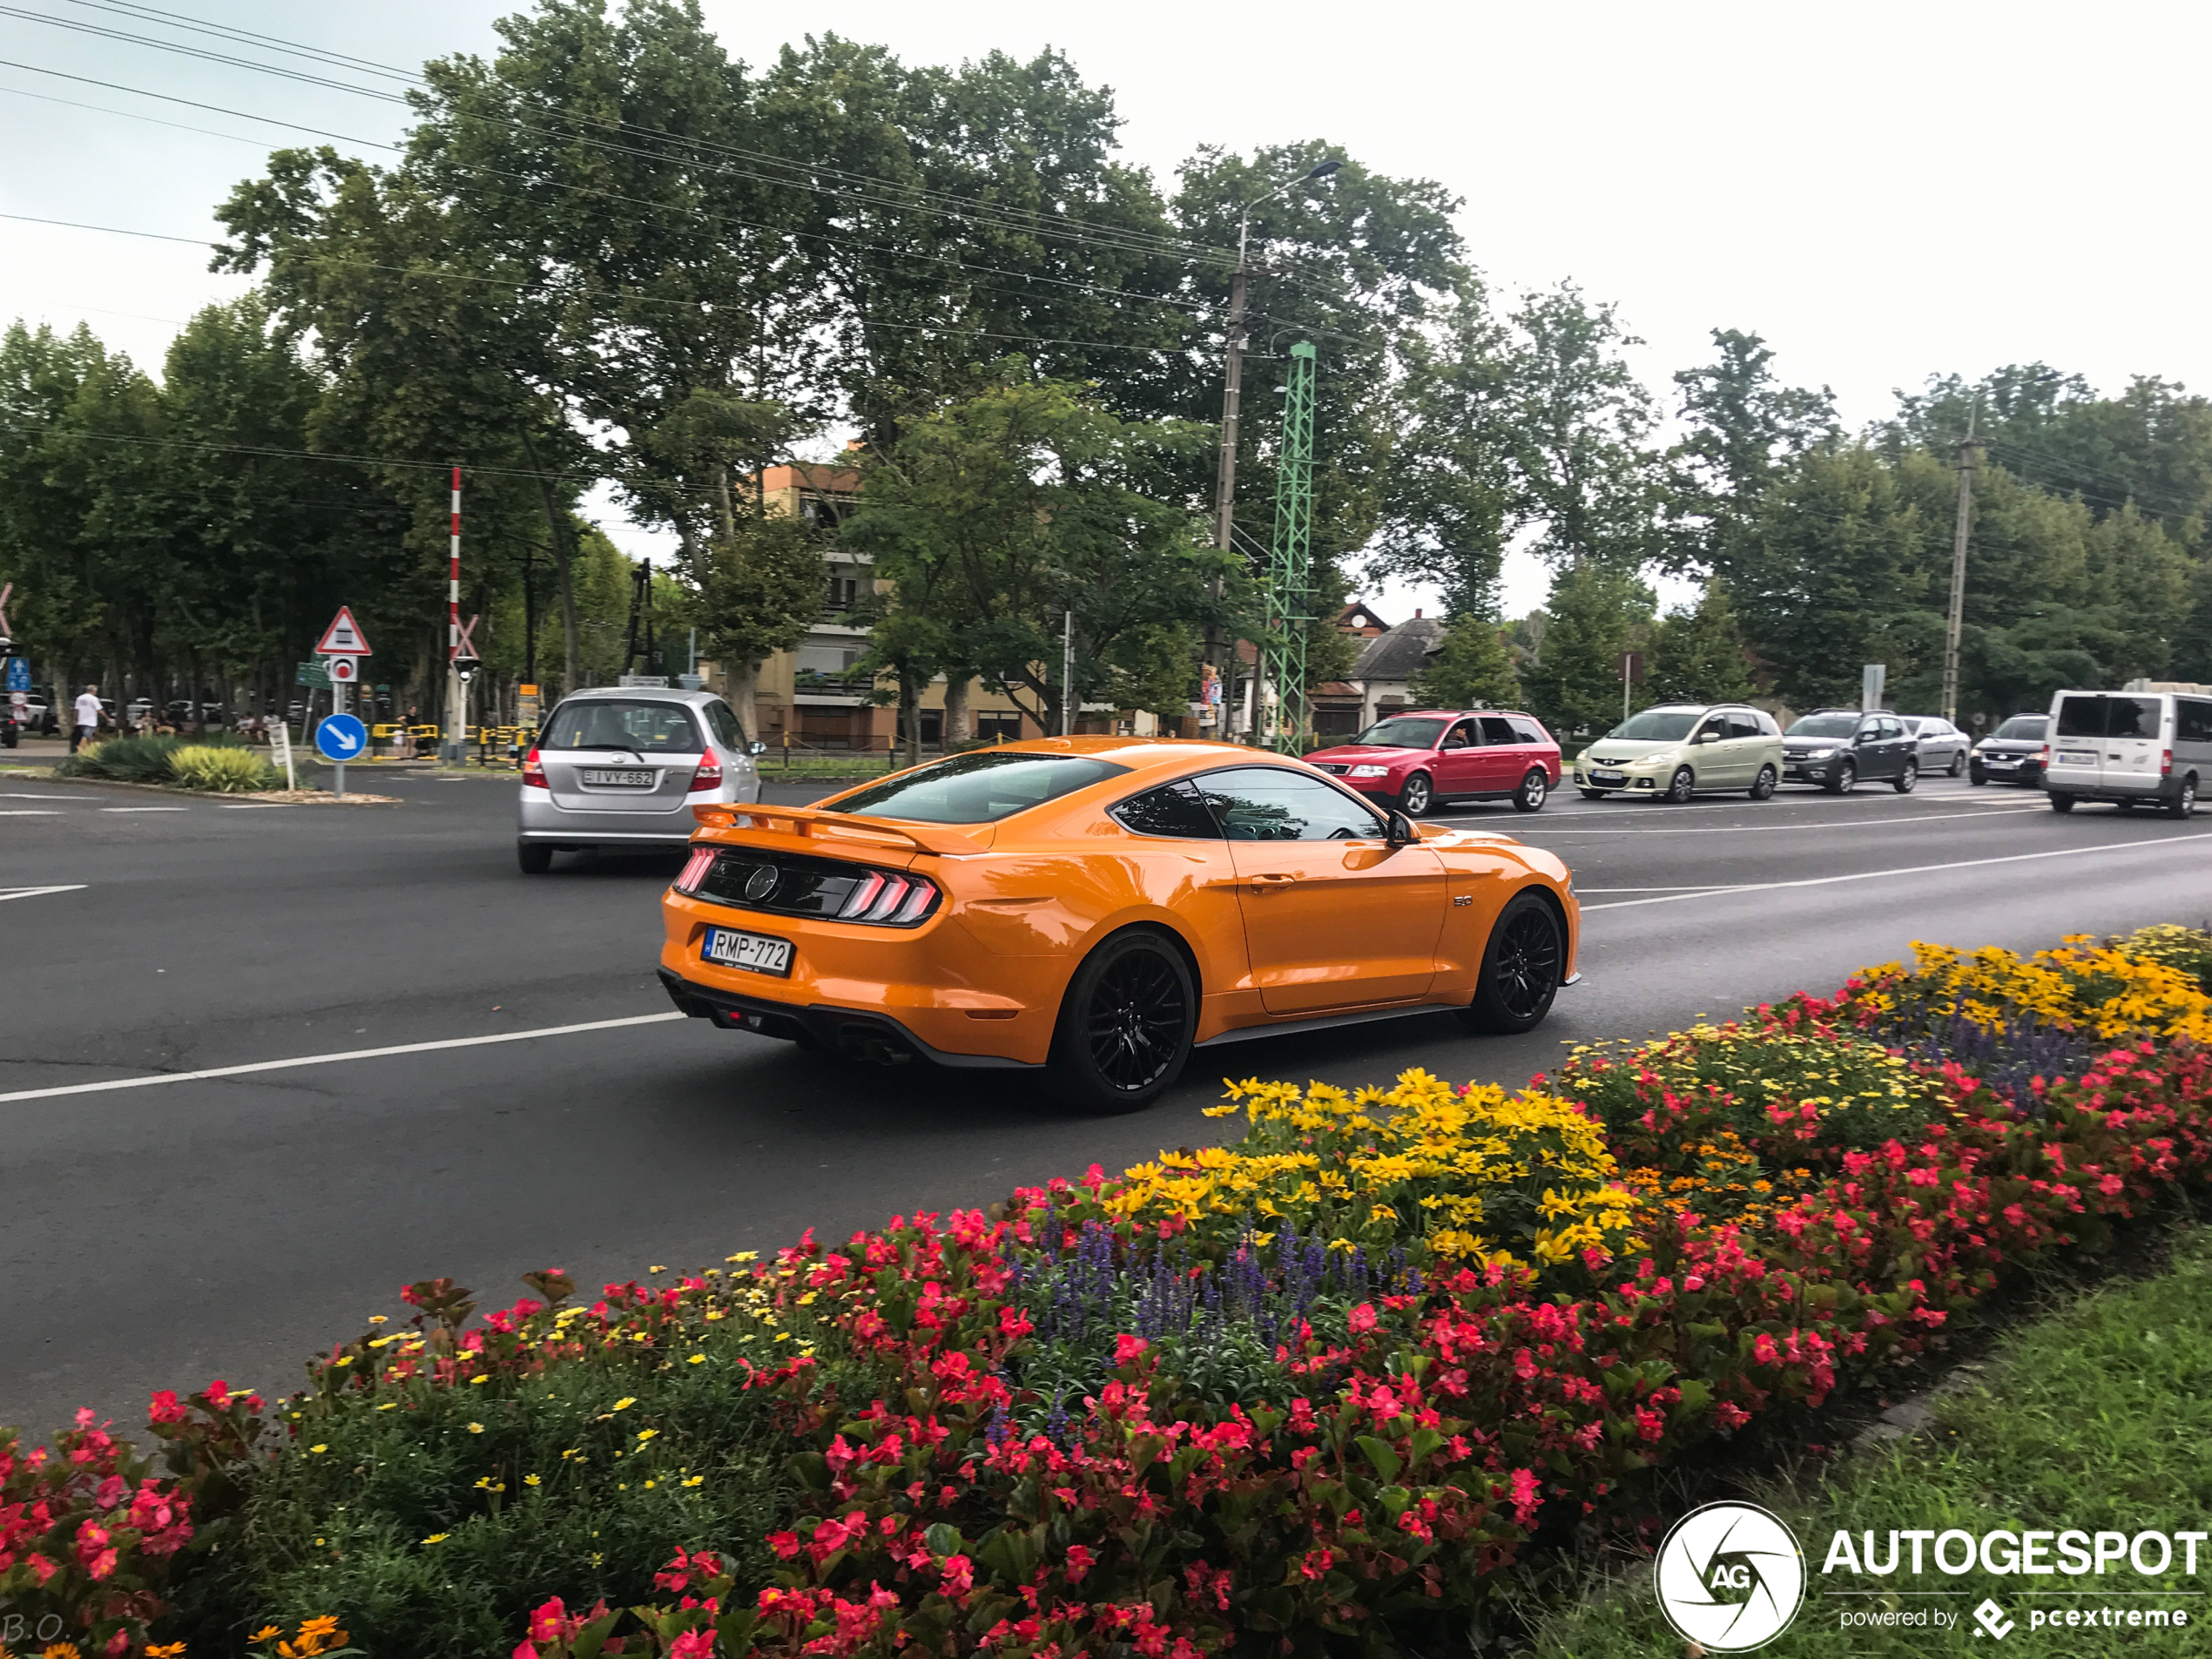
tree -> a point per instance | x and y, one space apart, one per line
1593 613
995 516
761 591
1472 671
1697 653
1589 482
1743 428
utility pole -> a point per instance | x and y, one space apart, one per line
1225 489
1068 675
1969 458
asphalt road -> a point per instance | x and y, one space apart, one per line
161 1236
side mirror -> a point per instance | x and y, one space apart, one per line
756 748
1709 737
1402 833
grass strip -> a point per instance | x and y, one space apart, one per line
2095 1418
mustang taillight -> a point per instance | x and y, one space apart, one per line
890 897
533 772
695 869
709 775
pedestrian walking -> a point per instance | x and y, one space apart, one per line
89 716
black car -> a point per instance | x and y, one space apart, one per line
1840 749
2012 753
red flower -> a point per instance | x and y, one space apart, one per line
1126 1348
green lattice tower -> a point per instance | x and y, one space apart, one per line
1289 562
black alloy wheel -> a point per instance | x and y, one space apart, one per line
2184 803
1126 1026
535 857
1530 797
1521 968
1683 785
1844 779
1905 781
1419 795
1763 788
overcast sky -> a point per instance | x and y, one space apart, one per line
1882 191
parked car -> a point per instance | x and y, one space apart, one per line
1941 746
1099 907
1840 749
2011 754
2131 748
616 768
1677 749
1417 761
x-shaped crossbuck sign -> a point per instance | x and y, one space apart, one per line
465 647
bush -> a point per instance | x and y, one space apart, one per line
223 769
127 760
155 761
1318 1389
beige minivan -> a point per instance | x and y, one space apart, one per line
1676 750
2131 748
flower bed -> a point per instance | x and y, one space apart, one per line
1317 1389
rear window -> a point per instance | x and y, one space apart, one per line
2024 728
1402 734
1825 726
2109 716
1656 725
1529 731
622 723
980 788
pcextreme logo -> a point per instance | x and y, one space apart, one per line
1730 1577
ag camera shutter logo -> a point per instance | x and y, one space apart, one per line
1730 1577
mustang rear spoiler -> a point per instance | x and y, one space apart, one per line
811 823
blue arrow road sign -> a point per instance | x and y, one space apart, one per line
18 674
341 737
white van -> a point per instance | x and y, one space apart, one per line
2127 747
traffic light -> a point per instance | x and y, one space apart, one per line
467 666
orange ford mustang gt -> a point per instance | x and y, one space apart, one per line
1098 906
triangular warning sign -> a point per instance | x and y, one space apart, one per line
344 637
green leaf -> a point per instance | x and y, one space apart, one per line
1387 1463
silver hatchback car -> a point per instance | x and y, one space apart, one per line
623 768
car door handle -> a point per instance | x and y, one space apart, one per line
1262 882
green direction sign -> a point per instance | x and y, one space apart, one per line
313 674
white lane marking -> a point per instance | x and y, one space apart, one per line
1741 829
251 805
334 1059
17 794
1912 869
145 809
7 893
1725 888
31 811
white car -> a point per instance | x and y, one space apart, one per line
623 769
2132 748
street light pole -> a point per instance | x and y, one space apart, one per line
1225 489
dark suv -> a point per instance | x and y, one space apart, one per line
1840 749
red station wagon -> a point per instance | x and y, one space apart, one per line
1415 761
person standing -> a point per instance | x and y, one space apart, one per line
89 716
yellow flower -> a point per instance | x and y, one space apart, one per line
697 1360
644 1435
376 1319
695 1480
318 1449
625 1402
476 1428
530 1481
267 1632
437 1538
166 1650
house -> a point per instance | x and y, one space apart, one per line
1380 683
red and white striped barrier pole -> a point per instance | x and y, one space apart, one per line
457 734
